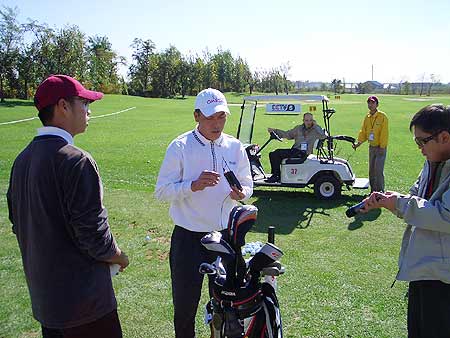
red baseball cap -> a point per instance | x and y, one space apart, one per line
56 87
372 98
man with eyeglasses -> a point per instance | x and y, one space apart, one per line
375 130
55 206
424 259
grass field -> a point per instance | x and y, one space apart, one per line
339 270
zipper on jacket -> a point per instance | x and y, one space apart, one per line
214 158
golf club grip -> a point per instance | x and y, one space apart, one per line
353 210
271 234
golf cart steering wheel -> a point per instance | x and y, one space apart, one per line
274 136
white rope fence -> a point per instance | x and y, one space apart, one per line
17 121
92 117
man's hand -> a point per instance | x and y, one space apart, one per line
270 130
356 145
206 179
236 194
119 258
377 200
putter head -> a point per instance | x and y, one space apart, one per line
268 254
241 220
214 242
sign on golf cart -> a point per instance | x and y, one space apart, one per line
323 171
283 108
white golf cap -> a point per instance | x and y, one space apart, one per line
211 101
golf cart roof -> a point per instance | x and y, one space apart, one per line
307 98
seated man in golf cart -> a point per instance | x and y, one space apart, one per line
305 135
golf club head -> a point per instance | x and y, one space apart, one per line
268 254
271 271
207 269
220 280
214 242
220 269
241 220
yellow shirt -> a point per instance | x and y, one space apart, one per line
378 125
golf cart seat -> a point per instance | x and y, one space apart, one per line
299 160
295 160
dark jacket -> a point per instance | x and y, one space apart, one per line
55 206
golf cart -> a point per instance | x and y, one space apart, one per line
325 172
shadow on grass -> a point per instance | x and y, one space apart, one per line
359 219
15 103
289 210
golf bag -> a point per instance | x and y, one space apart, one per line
241 304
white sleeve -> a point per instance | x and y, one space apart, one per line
244 175
170 185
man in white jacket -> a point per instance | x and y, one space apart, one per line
424 259
192 179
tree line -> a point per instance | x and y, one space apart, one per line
31 51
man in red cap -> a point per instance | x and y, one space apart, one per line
375 130
55 206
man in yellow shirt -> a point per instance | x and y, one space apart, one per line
375 130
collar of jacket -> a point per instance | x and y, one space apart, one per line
204 141
374 115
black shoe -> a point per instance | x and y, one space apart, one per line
273 179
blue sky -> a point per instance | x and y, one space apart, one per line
321 40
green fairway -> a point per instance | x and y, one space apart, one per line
338 270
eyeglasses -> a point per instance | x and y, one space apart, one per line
421 141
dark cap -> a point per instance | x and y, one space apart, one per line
56 87
373 99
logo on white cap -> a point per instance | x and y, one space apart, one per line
211 101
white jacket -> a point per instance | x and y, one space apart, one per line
186 157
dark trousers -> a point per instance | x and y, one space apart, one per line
428 309
186 255
377 157
278 155
106 327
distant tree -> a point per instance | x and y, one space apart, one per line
44 47
223 64
336 85
284 71
197 76
140 71
103 65
422 83
185 74
406 87
252 80
275 80
434 80
27 70
240 75
70 52
11 34
166 73
209 71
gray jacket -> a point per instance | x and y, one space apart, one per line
302 135
425 251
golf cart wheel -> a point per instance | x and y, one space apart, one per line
327 187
